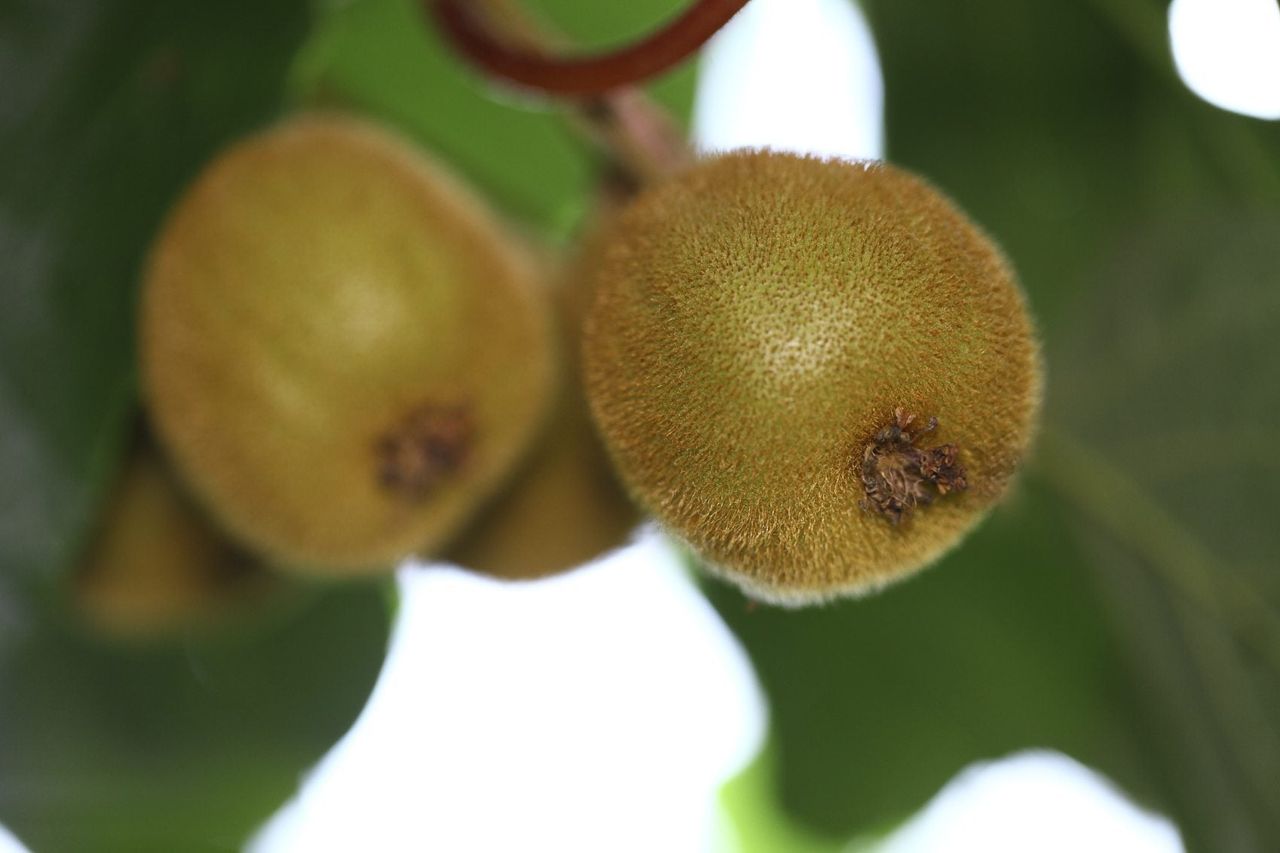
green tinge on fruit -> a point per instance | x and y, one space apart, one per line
565 507
341 349
156 566
761 320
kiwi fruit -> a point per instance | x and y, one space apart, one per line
817 373
342 351
566 506
156 566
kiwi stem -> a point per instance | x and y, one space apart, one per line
582 75
1108 498
642 139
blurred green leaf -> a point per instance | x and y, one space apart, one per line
1063 129
109 108
1168 413
110 748
1046 123
1060 127
877 703
386 59
750 802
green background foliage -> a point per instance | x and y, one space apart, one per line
109 109
1076 618
1122 607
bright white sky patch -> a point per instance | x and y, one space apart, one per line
601 710
1228 52
9 844
1041 801
796 75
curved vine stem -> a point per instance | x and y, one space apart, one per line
642 140
581 75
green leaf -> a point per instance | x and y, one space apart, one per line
1167 419
755 819
876 703
386 59
1065 131
109 108
1059 127
1046 123
112 748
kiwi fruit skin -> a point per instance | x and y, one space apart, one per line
758 319
156 568
341 349
564 509
566 506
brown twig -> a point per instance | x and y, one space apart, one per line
642 139
581 75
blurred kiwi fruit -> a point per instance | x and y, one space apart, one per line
155 566
819 374
566 506
343 352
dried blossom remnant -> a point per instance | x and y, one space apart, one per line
424 449
898 476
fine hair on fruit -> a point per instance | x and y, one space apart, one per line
819 374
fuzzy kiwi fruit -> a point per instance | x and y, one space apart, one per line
566 506
819 374
155 565
343 352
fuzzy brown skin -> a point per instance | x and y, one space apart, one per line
562 510
156 567
566 506
759 319
342 350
